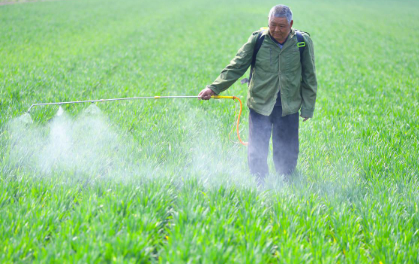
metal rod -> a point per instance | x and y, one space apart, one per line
113 99
152 97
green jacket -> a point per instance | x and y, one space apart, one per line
275 69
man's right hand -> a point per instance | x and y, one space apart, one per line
206 94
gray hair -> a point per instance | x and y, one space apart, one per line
281 11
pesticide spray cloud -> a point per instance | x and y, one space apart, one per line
87 145
90 147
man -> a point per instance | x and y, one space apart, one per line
282 83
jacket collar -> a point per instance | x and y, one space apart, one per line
290 36
290 40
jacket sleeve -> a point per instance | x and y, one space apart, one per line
237 67
309 80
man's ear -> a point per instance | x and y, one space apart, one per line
292 22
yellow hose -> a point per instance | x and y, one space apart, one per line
238 118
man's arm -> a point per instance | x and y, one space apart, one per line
237 67
309 80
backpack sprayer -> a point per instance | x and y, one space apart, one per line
152 97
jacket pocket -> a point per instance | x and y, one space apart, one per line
266 60
291 62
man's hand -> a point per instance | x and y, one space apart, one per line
305 118
206 94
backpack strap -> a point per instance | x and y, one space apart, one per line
301 44
258 44
256 49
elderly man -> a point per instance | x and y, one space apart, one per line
282 81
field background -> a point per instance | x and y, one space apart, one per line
162 180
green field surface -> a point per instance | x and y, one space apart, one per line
165 181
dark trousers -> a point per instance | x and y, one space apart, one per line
284 131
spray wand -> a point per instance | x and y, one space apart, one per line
152 97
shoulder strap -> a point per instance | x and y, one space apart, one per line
301 44
258 44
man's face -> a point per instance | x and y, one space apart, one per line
279 28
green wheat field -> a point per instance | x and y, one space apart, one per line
165 181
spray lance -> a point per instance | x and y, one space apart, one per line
152 97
